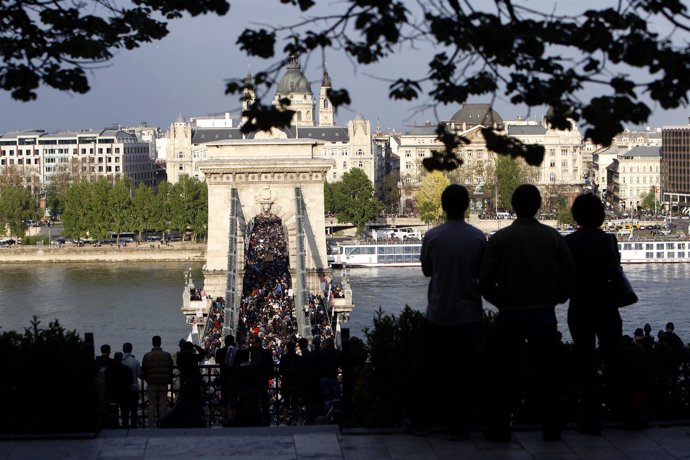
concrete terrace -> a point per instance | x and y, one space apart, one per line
326 442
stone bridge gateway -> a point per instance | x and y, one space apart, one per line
281 177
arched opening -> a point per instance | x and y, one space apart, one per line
267 306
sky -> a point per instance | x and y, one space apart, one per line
185 73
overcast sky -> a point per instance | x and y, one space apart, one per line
186 72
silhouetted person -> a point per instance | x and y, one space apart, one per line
592 316
188 359
187 411
118 379
290 369
648 339
157 368
669 336
445 389
310 371
262 365
103 362
132 402
226 358
526 271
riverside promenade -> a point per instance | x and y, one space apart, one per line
328 443
144 252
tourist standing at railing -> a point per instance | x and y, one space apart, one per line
188 359
526 271
118 379
445 389
130 407
592 317
310 379
103 362
157 368
226 358
263 369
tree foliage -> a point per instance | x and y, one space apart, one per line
355 201
649 201
17 205
97 209
601 67
428 197
391 192
508 176
564 216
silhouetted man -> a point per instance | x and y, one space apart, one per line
526 271
157 368
451 254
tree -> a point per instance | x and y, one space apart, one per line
391 192
17 205
564 217
120 206
531 57
355 200
649 202
508 177
74 215
143 209
428 197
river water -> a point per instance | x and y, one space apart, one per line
122 302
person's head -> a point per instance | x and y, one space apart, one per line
588 211
454 201
156 341
526 200
670 327
118 356
290 346
182 343
647 329
229 340
105 349
329 343
127 347
639 333
303 343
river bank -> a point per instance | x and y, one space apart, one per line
176 252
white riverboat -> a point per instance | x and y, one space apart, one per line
654 251
375 254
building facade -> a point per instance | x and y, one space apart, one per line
347 147
675 165
85 154
638 172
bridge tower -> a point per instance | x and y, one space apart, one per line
246 178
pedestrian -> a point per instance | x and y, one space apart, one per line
132 402
526 271
593 318
451 253
157 369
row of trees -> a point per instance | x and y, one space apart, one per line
100 207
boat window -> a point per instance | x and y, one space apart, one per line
369 250
671 255
351 251
649 255
670 246
649 246
659 255
681 255
681 246
660 246
627 246
638 246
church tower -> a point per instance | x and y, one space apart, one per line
178 154
248 95
325 107
295 87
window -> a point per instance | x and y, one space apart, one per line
552 177
344 164
360 165
180 154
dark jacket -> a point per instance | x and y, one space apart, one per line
157 367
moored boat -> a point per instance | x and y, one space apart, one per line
375 254
654 251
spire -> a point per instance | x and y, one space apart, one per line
326 82
249 81
293 64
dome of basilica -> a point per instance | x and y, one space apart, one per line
294 80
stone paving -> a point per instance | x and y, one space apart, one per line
326 442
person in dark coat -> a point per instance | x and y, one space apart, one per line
118 382
592 316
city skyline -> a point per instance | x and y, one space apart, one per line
186 73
